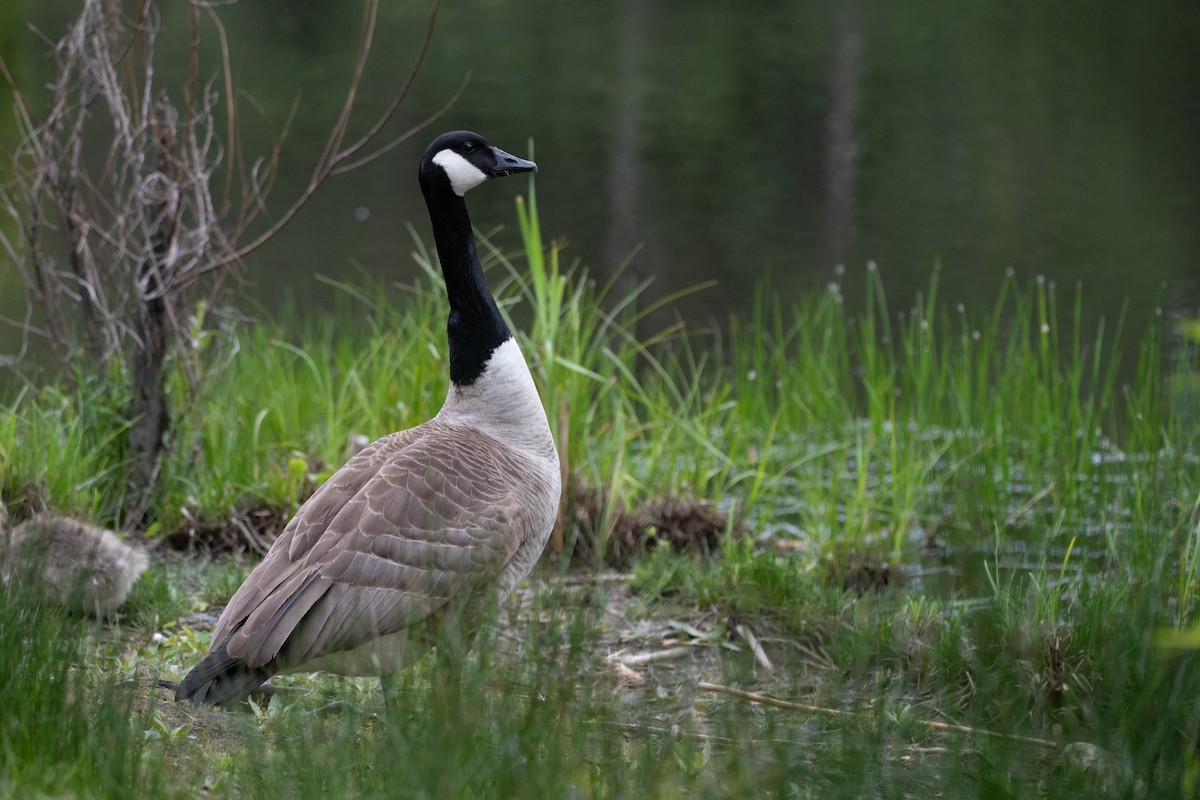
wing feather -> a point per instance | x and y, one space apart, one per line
416 521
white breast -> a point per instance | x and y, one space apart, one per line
503 403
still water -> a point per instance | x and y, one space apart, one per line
748 143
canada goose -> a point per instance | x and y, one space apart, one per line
85 568
403 546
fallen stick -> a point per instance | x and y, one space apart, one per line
640 659
833 712
760 655
589 579
677 732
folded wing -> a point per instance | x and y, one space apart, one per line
418 520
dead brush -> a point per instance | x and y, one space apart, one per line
600 529
131 202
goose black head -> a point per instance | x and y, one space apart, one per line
462 160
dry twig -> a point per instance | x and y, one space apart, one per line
651 656
751 640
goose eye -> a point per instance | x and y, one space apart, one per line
468 147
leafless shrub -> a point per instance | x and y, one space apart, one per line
132 205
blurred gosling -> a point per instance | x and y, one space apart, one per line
83 567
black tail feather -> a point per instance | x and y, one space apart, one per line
221 679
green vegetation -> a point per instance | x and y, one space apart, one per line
1039 495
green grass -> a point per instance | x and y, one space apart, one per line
64 731
1036 477
534 712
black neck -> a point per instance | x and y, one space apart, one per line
475 328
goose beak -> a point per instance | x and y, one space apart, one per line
508 164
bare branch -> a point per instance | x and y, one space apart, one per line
331 156
384 118
121 233
408 134
231 115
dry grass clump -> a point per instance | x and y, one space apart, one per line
251 528
863 573
599 528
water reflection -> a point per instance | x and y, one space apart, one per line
1054 139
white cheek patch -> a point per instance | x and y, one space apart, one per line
463 174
